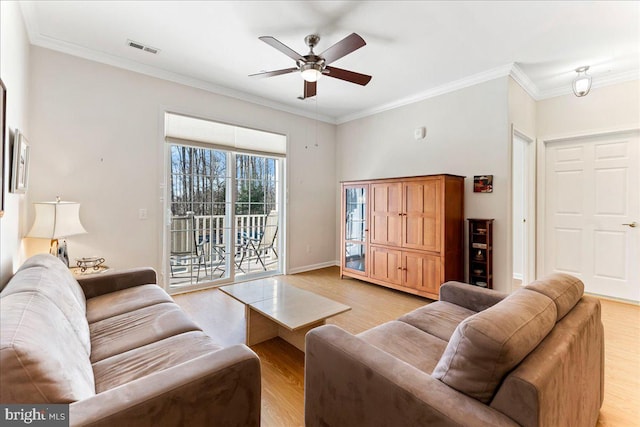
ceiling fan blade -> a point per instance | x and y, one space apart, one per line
309 89
282 47
343 47
350 76
274 73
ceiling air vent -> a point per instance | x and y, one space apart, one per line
140 46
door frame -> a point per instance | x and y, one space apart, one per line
541 154
530 212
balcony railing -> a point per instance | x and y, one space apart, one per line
198 245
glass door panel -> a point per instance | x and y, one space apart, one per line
257 217
355 257
355 229
198 215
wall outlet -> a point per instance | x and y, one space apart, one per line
142 214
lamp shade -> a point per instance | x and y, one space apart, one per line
55 220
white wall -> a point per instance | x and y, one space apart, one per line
467 134
14 71
522 110
97 139
606 108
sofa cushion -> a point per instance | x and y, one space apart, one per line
563 289
123 301
41 357
407 343
48 276
439 318
487 345
158 356
136 328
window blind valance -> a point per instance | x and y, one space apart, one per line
184 129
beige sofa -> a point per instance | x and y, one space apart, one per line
474 358
119 351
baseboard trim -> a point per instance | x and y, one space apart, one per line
312 267
614 299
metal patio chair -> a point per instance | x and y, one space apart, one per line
264 243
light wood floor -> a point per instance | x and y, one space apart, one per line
283 365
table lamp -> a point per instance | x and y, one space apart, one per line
57 220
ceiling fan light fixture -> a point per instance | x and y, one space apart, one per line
311 72
582 83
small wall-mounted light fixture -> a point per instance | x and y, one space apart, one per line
582 83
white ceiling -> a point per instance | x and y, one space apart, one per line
415 49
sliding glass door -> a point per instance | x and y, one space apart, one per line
224 214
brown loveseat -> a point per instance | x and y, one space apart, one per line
119 351
475 358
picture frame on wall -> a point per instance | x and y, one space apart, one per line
483 184
20 169
3 146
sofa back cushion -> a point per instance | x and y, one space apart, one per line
42 358
563 289
48 276
489 344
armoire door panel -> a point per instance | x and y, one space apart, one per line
421 222
422 272
386 265
386 214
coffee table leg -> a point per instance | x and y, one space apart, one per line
296 338
259 327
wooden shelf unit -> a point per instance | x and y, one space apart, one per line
481 252
404 233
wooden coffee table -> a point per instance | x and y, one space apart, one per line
274 308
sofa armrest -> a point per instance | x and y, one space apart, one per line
349 382
221 388
94 285
469 296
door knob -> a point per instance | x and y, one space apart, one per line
632 225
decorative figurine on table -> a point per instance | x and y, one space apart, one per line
89 262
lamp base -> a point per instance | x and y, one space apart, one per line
62 252
59 249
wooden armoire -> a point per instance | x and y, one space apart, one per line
404 233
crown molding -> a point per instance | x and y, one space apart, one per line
524 81
465 82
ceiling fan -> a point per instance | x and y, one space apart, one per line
312 66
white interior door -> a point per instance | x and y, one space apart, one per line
592 201
523 210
